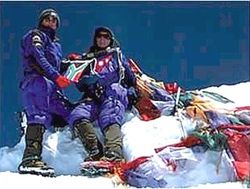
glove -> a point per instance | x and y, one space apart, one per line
62 81
132 96
74 56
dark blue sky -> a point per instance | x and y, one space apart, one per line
196 44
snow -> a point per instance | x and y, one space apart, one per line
65 153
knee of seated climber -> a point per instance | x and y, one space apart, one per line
118 92
81 112
112 111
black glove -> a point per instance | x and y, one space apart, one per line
133 96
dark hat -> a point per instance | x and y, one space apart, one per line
113 41
49 12
104 29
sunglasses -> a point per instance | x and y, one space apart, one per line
51 19
106 36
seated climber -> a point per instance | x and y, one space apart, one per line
105 84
